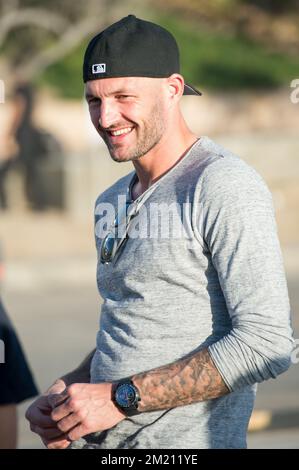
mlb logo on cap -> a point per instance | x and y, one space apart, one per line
99 68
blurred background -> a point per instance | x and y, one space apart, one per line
242 54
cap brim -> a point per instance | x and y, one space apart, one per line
190 90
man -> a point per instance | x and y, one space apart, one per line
189 323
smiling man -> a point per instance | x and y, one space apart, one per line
130 122
189 324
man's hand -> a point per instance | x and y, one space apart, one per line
39 416
84 408
39 413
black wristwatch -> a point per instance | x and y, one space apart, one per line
126 396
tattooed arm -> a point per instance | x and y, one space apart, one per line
85 408
186 381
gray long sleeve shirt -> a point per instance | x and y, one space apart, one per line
221 285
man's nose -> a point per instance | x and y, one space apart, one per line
108 114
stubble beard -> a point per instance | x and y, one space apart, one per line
149 137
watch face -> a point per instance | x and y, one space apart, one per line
125 395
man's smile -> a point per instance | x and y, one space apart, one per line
119 135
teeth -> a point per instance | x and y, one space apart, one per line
122 131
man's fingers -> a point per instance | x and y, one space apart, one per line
41 404
33 427
70 421
63 410
60 443
43 420
79 431
56 399
48 434
52 438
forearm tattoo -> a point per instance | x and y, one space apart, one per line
187 381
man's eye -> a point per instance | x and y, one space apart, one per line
122 97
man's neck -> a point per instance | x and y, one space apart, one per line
160 160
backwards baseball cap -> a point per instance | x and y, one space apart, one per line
133 48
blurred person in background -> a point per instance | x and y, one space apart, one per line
8 153
30 146
16 381
4 167
188 327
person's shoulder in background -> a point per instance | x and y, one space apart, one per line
17 383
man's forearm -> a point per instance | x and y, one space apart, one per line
81 374
187 381
87 408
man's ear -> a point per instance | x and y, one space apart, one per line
175 84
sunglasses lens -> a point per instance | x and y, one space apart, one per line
112 242
107 248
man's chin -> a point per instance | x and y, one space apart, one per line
120 157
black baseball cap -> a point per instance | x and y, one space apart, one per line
132 47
